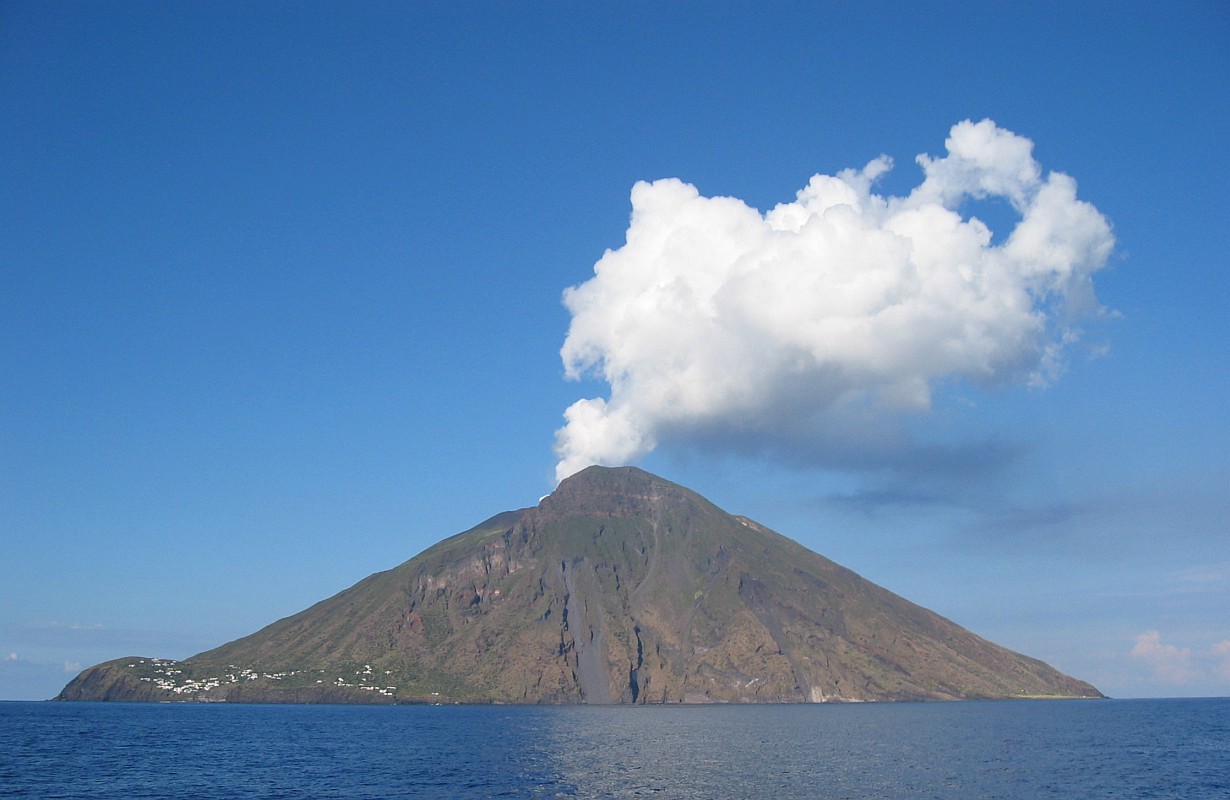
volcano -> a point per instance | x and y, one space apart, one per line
619 587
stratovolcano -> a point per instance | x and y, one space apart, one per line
619 587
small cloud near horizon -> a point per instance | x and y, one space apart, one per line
1175 665
810 333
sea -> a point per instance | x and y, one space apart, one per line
1004 750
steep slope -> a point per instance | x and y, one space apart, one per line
618 587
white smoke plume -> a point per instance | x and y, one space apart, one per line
811 322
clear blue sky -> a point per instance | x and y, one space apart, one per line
281 305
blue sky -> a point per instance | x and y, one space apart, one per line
281 305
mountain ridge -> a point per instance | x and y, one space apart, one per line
619 587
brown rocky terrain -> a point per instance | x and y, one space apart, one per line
619 587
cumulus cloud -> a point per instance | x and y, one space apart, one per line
814 324
1168 662
1221 660
1180 666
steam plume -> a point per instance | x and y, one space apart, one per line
810 322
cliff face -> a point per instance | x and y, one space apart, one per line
618 587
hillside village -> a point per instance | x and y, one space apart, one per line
182 679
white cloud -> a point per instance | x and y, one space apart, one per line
1205 577
11 657
72 667
1168 662
815 322
1183 666
1221 660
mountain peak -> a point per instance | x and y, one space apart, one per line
619 586
613 491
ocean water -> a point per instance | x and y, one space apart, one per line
1003 750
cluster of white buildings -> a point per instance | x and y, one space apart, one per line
364 677
167 676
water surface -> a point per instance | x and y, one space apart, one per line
1086 749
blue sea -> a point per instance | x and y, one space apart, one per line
1023 749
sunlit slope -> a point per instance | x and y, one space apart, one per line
618 587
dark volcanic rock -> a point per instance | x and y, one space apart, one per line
618 587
